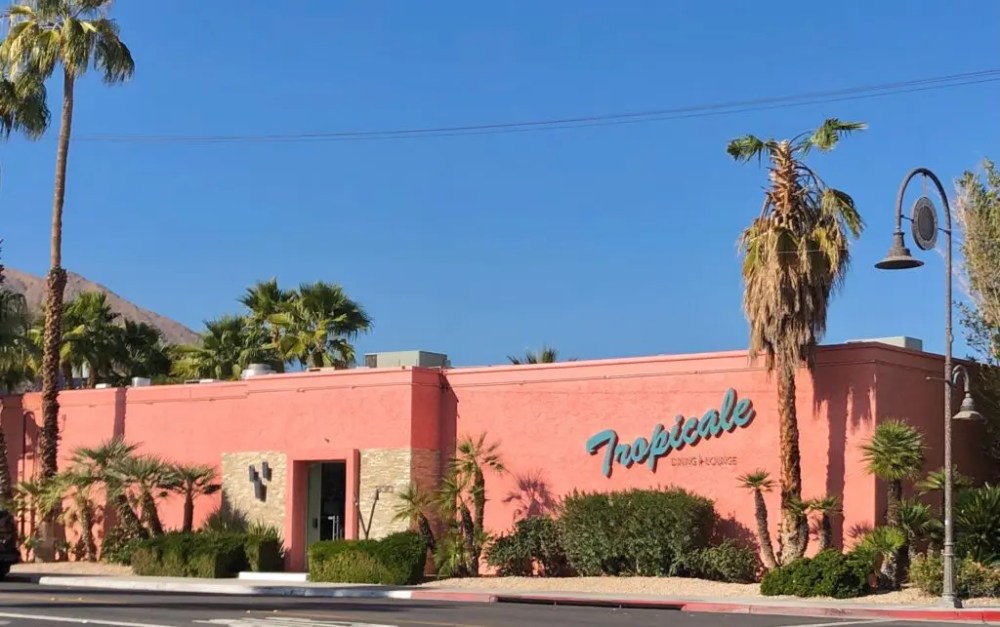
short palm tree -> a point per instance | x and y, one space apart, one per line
73 35
76 484
895 453
192 482
795 254
102 462
827 508
759 482
473 457
414 506
147 478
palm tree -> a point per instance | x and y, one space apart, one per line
760 482
73 34
90 336
102 463
473 457
413 506
228 345
23 106
894 453
827 508
140 352
148 478
76 484
316 327
264 300
547 355
16 348
192 482
795 254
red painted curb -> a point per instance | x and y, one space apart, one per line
969 615
457 597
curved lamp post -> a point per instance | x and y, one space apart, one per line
925 230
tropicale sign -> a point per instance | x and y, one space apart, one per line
732 414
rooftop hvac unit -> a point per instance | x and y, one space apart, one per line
141 382
256 370
402 359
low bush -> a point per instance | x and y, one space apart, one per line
264 549
117 546
533 548
828 574
398 559
726 562
971 578
203 555
635 532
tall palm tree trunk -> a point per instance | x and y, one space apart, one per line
49 444
793 520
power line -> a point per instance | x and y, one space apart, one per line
637 117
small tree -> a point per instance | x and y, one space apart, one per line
894 453
463 494
759 482
192 482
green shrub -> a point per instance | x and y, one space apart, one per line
117 546
533 547
636 532
398 559
265 551
971 578
204 555
977 524
828 574
727 562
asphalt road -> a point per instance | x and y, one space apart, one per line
30 605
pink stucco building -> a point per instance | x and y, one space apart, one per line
323 444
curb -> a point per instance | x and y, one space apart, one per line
971 615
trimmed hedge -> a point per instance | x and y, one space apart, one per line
828 574
534 547
397 559
636 532
206 555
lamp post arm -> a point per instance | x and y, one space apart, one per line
960 371
937 184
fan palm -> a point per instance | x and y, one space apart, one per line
23 106
413 506
316 327
17 352
795 254
473 457
266 299
102 462
760 482
827 508
547 355
228 345
73 35
140 352
192 482
148 478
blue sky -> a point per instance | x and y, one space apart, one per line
605 241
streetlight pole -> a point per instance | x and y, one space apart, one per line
899 258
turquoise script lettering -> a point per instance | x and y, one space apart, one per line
730 415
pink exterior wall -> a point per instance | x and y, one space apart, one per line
542 416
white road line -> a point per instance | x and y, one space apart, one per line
869 621
77 621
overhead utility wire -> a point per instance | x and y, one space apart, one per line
692 111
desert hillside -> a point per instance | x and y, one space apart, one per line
33 288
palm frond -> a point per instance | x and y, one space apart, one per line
828 134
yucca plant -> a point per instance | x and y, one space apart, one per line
795 255
759 482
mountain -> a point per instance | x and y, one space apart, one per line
33 288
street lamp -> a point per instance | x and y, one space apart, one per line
925 229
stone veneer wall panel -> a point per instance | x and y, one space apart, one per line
390 471
237 490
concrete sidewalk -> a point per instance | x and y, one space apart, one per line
747 605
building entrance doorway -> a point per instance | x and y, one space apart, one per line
327 502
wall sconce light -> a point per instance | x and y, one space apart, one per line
260 491
253 473
265 470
